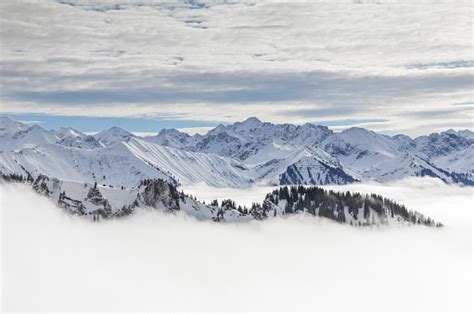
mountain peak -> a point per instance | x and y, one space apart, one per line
68 132
113 135
356 134
10 126
171 137
6 119
250 122
173 132
355 129
463 133
116 129
308 125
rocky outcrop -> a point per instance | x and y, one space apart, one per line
159 194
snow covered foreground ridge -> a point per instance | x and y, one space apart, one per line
101 202
236 155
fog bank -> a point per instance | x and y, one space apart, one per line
154 261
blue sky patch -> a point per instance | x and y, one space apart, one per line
93 124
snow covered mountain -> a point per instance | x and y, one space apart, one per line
244 140
115 165
309 154
371 156
114 172
103 202
189 167
74 138
236 155
113 135
450 150
14 135
173 138
124 164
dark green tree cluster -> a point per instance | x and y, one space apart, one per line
40 185
13 177
334 205
228 204
95 197
258 211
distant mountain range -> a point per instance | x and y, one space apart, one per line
236 155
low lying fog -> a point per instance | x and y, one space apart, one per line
153 261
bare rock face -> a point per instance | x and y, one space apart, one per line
159 193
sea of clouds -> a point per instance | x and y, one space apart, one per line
155 261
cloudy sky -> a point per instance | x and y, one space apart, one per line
391 66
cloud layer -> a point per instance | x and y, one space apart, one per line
391 66
150 261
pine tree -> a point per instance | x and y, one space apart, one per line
366 208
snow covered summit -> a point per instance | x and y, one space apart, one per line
113 135
236 155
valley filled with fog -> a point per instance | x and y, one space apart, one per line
153 261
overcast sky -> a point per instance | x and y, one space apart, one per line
390 66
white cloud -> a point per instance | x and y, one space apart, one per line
150 261
224 61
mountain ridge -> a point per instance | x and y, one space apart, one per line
236 155
95 202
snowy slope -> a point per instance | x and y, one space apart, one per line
457 161
444 143
284 153
97 202
113 136
301 166
124 164
189 167
236 155
367 155
244 140
362 152
74 138
173 138
114 165
15 135
450 150
8 127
